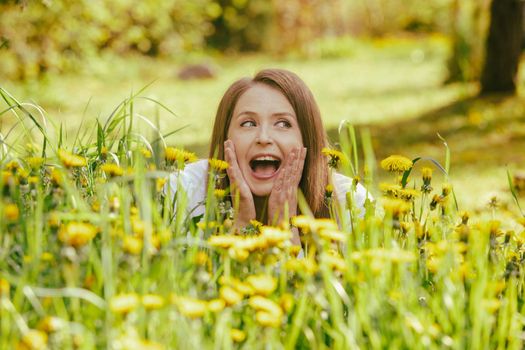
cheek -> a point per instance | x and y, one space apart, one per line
291 142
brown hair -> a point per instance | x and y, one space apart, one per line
315 172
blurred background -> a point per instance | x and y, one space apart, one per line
404 69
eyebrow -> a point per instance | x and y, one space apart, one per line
278 114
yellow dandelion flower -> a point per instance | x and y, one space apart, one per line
132 245
334 157
12 166
260 303
275 236
112 169
53 219
11 212
267 319
333 235
77 234
397 207
426 174
230 295
191 307
35 162
152 301
216 305
262 284
309 224
396 164
124 303
47 256
207 225
33 180
218 165
238 254
329 190
251 243
146 153
287 302
160 183
57 178
334 262
34 339
219 193
51 324
295 250
237 335
491 305
446 189
174 154
201 258
242 287
71 160
4 288
149 345
223 241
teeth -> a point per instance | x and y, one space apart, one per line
266 158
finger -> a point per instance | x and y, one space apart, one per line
300 165
289 185
229 155
234 171
285 171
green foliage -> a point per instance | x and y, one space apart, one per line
41 36
58 35
241 25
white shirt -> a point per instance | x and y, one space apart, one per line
194 176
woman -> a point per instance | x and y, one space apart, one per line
269 129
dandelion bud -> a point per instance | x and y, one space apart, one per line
445 191
464 217
437 199
518 181
334 157
329 190
426 173
493 202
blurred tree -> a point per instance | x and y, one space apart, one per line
241 25
469 22
503 47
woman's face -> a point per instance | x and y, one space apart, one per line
264 130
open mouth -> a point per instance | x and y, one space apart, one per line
265 166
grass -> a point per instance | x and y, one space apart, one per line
92 255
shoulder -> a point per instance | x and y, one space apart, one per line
343 184
192 182
197 170
192 178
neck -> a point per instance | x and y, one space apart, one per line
261 208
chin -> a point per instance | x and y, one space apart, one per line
262 191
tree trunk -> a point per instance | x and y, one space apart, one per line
503 47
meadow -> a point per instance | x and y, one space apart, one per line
94 254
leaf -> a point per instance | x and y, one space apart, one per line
513 192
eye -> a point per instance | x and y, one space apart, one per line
283 124
248 123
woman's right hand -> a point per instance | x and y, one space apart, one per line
239 188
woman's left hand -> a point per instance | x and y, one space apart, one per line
284 191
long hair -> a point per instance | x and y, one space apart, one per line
315 172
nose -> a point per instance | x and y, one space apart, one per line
264 136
